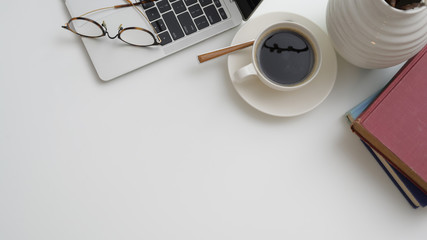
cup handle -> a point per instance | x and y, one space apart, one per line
243 73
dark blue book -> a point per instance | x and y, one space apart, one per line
415 196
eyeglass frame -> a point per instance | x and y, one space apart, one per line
104 29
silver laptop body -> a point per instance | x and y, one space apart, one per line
112 58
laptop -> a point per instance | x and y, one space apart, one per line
179 23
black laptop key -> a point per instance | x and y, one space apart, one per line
179 7
212 14
147 5
152 14
165 37
163 6
173 25
190 2
201 22
195 10
187 23
205 2
222 13
159 25
217 3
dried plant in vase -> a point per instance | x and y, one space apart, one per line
406 4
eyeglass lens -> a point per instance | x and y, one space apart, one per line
86 28
137 37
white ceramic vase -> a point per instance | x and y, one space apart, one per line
372 34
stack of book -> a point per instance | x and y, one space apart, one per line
393 126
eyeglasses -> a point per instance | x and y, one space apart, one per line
134 36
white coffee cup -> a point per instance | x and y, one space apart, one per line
285 56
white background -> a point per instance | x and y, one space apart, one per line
171 151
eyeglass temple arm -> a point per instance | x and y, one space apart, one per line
134 4
119 6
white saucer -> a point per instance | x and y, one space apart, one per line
278 103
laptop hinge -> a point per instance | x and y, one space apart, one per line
246 7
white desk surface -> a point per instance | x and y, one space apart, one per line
177 154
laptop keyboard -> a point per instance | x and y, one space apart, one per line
175 19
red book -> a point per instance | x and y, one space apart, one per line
395 124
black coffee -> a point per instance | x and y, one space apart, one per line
286 57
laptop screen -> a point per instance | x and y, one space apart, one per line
247 7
